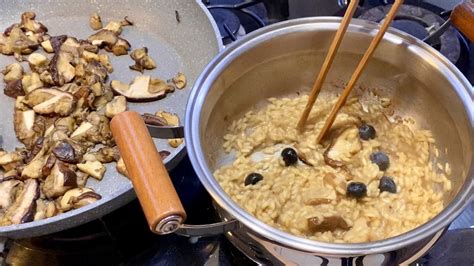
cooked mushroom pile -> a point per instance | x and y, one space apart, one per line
63 106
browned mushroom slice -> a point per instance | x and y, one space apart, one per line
29 23
24 208
179 81
28 126
330 223
34 168
140 90
103 37
78 197
47 46
16 43
62 71
121 168
66 124
93 168
13 72
48 166
59 181
154 120
105 61
9 157
65 152
121 47
171 120
50 101
31 82
142 60
318 195
38 62
343 147
103 155
116 106
14 89
81 178
8 189
95 22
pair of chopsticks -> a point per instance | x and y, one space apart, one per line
358 71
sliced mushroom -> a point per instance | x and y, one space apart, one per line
8 189
14 89
103 155
103 37
171 120
121 168
9 157
78 197
24 208
95 22
31 82
154 120
50 101
81 179
38 62
121 47
93 168
29 23
330 223
34 168
318 195
28 126
59 181
81 132
138 90
51 209
104 60
16 43
179 81
160 86
66 124
48 165
65 152
62 71
116 106
12 72
142 60
101 101
47 46
343 147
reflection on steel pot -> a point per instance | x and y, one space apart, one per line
283 58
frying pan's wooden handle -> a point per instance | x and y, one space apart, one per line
462 17
155 191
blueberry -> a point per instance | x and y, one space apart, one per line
380 159
356 190
387 184
253 178
289 156
366 132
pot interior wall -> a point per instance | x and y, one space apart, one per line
287 64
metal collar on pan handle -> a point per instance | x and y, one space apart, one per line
165 132
208 229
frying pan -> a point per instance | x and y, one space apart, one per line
180 35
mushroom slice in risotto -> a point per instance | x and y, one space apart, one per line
330 223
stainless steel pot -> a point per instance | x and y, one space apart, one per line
283 58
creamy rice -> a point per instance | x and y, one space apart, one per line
290 195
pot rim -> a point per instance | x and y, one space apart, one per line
222 60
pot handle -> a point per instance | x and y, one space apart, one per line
155 191
208 229
462 17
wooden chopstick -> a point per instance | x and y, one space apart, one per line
336 42
363 62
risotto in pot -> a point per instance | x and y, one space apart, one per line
374 176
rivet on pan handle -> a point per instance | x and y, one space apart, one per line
155 191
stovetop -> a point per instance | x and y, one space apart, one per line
122 237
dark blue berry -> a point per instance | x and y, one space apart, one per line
290 156
380 159
366 132
253 179
356 190
387 184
